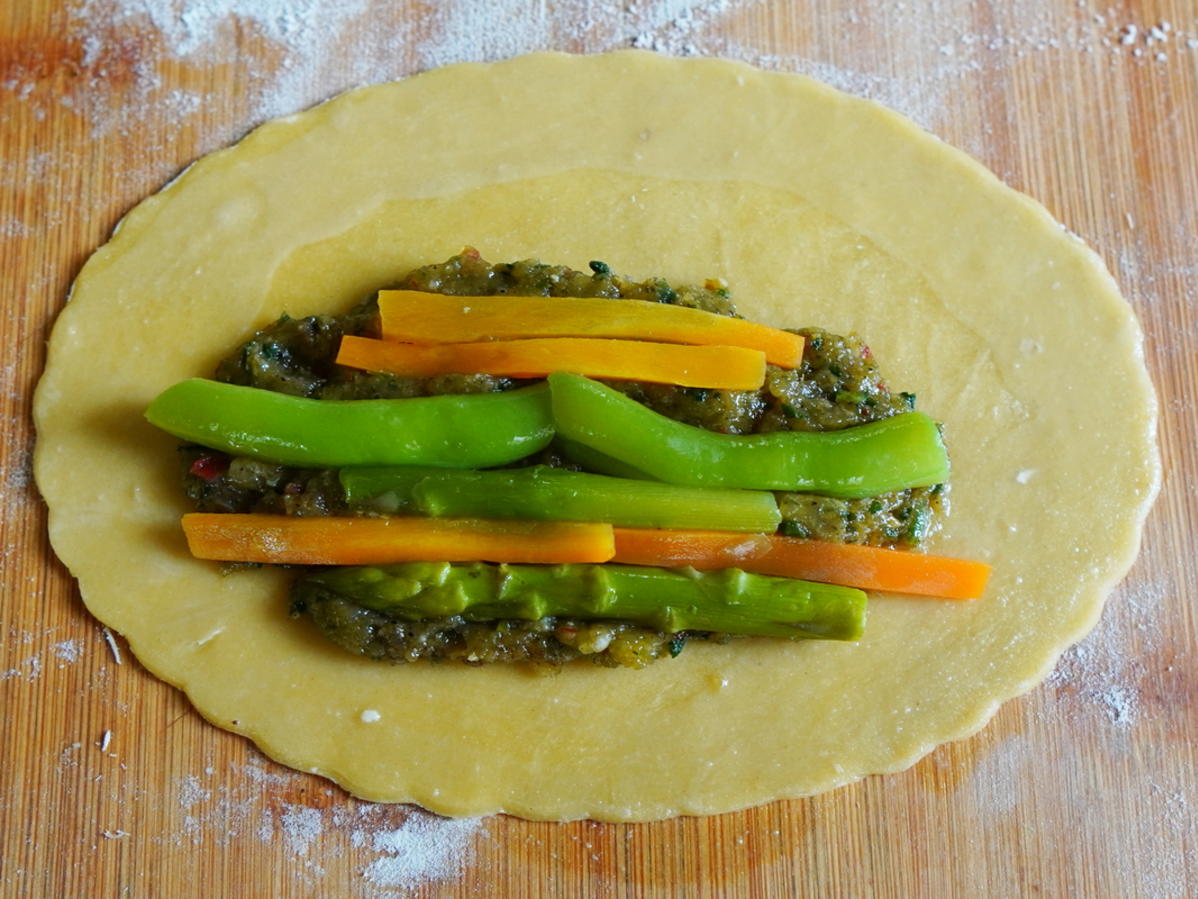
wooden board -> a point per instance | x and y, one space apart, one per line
1083 787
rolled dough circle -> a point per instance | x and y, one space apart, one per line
819 209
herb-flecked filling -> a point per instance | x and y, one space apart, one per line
838 385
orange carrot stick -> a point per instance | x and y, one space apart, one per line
285 540
865 567
720 367
418 317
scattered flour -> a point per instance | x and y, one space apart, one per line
67 650
192 26
69 756
423 848
27 670
1107 672
301 825
256 773
1111 682
394 847
13 227
190 791
290 54
308 49
994 782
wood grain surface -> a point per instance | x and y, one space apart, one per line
1084 787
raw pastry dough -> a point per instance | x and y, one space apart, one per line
818 208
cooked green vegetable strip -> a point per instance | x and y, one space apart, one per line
593 460
452 431
384 488
892 454
728 601
541 493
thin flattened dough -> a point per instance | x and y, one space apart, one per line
818 209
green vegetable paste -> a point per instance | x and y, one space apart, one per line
837 386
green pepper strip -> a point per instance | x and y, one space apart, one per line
459 431
727 602
549 494
892 454
593 460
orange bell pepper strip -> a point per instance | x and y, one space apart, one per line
718 367
414 316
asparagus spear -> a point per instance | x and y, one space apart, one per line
894 453
541 493
670 600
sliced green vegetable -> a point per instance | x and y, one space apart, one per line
452 431
892 454
593 460
728 601
385 489
550 494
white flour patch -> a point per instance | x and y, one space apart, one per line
1106 673
996 779
11 390
1114 678
16 493
1149 280
190 791
255 773
422 849
393 847
69 757
221 815
12 228
301 54
192 26
67 650
37 166
16 457
27 670
301 826
1171 818
63 653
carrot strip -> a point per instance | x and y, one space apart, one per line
850 565
418 317
720 367
284 540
